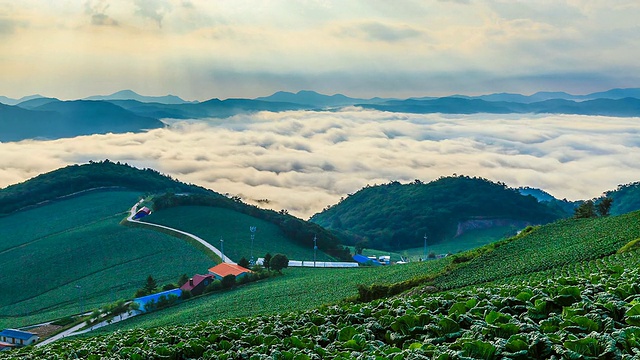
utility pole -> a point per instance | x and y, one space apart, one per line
222 249
253 231
424 255
315 249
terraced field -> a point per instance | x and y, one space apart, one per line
72 254
550 246
213 224
590 310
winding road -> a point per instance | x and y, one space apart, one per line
133 211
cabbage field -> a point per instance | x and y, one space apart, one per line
587 310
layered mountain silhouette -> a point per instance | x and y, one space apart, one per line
58 119
124 111
131 95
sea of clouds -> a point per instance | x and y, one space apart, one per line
303 161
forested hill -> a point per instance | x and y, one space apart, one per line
397 216
76 178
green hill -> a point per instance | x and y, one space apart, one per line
626 198
233 224
576 308
214 223
397 216
77 178
73 254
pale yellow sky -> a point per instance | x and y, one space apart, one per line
236 48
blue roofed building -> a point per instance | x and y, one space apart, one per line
16 338
150 302
363 260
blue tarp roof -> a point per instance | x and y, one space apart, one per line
17 334
365 260
145 299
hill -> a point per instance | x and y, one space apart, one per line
626 107
9 101
582 306
397 216
232 218
53 119
77 178
207 109
131 95
626 198
65 227
314 99
72 255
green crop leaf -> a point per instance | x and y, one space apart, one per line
347 333
479 350
495 317
633 315
585 347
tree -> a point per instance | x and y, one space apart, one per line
244 263
586 210
183 280
279 262
604 206
361 244
267 261
151 286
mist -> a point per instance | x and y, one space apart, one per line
303 161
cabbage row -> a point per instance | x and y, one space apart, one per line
550 246
588 311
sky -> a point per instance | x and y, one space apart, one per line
201 49
304 161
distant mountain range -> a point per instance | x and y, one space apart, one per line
124 111
131 95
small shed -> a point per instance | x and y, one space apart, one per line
223 269
197 284
18 337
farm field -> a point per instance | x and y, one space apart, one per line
467 241
299 289
549 246
213 224
586 311
73 254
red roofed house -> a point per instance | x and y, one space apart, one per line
197 284
223 269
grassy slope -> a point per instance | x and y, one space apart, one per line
46 251
549 246
298 289
212 224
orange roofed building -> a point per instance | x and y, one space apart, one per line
221 270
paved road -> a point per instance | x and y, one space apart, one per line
61 335
133 211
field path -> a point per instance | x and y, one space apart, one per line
133 211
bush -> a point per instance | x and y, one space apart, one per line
214 286
228 281
169 287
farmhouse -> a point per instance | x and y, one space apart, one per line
16 338
197 284
221 270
